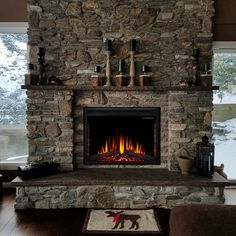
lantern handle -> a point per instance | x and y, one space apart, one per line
205 140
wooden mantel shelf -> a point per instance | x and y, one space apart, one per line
113 88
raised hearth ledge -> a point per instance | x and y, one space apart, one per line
113 88
118 188
130 177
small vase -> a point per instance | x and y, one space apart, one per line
185 164
118 81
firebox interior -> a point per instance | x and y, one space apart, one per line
122 135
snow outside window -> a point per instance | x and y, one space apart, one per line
224 114
13 65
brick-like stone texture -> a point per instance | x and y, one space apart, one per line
119 99
50 127
99 196
56 134
73 33
186 122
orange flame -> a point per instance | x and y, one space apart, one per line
121 144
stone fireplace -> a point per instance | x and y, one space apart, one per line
83 127
60 125
73 35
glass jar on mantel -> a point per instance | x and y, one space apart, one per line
205 157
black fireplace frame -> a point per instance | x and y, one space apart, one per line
153 112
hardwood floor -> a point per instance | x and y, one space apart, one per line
49 222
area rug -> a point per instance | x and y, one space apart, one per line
122 221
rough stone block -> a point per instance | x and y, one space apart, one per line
167 15
177 126
65 108
42 204
74 9
52 130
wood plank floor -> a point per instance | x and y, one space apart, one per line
67 222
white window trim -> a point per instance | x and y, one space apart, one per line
13 27
11 165
224 47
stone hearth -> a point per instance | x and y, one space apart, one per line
119 188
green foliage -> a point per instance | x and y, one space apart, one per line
12 98
225 71
10 41
12 109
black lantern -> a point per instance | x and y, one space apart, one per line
205 157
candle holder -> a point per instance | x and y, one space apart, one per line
121 66
132 69
97 78
108 69
145 77
195 71
108 45
121 78
31 78
41 61
196 53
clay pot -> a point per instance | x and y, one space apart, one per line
185 164
96 81
118 81
144 80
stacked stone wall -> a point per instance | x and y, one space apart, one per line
101 196
50 127
55 132
73 34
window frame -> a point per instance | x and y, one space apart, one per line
225 47
12 27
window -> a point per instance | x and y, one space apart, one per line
13 64
224 114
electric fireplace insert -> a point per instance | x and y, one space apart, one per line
121 135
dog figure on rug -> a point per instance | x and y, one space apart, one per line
119 218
